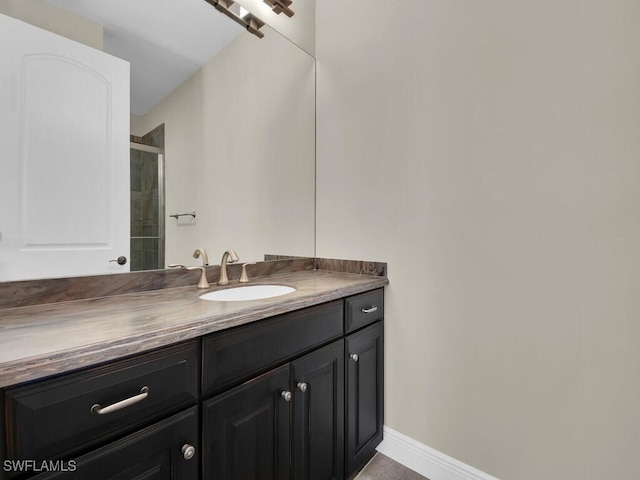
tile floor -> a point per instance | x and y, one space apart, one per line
383 468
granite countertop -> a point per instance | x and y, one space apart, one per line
42 340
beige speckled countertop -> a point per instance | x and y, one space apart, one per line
42 340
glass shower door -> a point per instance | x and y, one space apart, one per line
147 207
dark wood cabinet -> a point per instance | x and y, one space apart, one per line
245 432
167 450
298 396
243 352
365 394
363 309
318 414
287 423
66 415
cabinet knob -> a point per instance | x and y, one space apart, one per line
354 357
188 451
302 387
286 395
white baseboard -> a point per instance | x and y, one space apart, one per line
425 460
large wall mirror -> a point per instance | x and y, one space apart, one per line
234 136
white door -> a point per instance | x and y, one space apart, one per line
64 156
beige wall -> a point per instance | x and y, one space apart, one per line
181 112
489 151
49 17
240 151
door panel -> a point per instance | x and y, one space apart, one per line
365 386
318 438
153 453
64 153
246 430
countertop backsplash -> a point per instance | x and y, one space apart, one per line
36 292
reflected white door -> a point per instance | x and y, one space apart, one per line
64 155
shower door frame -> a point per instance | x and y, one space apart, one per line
141 147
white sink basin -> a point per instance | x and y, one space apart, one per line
247 292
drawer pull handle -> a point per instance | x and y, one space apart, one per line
98 410
286 396
302 387
371 309
188 451
354 357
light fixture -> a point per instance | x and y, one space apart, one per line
239 15
280 6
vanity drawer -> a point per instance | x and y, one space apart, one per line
154 452
363 309
52 418
241 353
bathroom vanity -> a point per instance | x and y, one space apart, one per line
172 386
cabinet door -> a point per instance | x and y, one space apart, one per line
318 414
159 452
365 387
245 432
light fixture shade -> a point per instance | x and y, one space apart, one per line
280 6
248 20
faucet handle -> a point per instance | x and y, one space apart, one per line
203 283
244 278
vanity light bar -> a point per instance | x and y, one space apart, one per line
280 6
249 21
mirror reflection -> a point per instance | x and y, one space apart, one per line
233 143
146 171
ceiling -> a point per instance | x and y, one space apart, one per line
166 41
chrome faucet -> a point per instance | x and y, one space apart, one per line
205 257
233 257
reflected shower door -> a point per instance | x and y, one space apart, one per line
147 207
